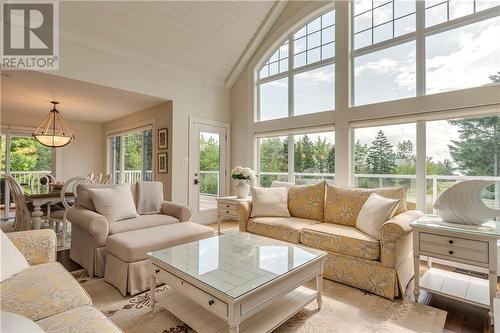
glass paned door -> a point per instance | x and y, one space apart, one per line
208 170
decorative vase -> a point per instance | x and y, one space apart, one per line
242 189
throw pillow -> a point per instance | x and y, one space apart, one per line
12 322
13 261
115 203
375 212
83 196
343 204
307 201
269 202
149 197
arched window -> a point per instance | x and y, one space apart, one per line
298 78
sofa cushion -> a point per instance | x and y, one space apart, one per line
115 203
83 196
343 204
375 212
141 222
133 245
13 261
149 197
283 228
341 239
42 291
81 319
307 201
270 201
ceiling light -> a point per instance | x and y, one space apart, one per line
53 132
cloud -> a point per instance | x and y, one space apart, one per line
474 55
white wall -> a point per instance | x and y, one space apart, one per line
190 94
81 157
159 116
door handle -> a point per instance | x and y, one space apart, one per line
196 181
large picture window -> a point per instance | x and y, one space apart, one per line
450 48
297 158
299 77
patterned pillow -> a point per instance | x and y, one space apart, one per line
307 201
343 204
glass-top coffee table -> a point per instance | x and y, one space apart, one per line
237 282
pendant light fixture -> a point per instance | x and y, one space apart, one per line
53 132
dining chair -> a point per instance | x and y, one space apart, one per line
22 219
38 180
59 217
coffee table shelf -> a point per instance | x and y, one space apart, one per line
202 320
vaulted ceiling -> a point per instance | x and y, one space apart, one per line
204 37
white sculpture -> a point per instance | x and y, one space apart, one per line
462 203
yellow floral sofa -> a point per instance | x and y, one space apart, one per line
324 216
46 292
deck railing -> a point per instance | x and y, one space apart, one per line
24 177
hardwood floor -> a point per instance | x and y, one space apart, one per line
461 318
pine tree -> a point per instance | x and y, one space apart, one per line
308 154
321 151
360 154
331 159
477 151
405 150
381 158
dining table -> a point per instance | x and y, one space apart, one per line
39 198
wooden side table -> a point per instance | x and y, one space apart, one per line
227 209
471 245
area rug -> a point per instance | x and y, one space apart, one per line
345 309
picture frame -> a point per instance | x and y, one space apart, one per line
162 162
163 138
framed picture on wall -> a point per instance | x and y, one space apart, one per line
163 138
162 163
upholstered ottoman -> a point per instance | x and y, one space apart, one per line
127 266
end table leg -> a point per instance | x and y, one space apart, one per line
234 329
493 293
152 291
416 277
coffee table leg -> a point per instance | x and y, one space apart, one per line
319 288
234 329
152 290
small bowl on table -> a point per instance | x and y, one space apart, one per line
54 187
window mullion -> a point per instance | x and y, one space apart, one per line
291 159
420 48
291 105
421 172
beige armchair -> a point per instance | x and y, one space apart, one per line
89 229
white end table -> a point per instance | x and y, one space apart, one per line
228 210
466 244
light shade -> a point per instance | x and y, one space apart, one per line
53 132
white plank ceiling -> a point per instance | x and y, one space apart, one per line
199 36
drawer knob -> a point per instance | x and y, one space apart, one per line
450 241
157 271
227 212
211 302
450 252
227 206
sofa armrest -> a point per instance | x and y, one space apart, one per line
396 238
177 210
244 209
37 246
94 223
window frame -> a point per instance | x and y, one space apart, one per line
291 71
419 37
289 133
110 156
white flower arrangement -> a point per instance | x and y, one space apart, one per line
241 173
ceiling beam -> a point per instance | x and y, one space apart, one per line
254 43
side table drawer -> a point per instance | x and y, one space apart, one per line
229 212
453 252
199 296
454 241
